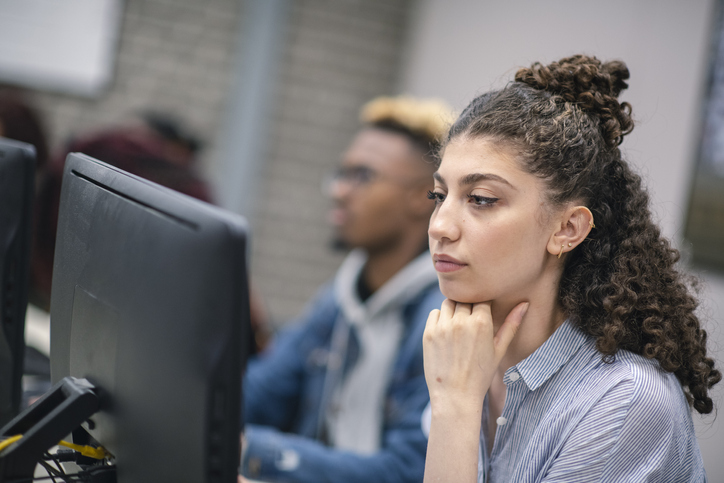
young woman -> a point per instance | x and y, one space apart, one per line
568 348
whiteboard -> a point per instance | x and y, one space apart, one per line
59 45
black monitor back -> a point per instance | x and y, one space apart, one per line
17 168
150 304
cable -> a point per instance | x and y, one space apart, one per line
81 476
96 453
62 456
7 442
52 472
52 457
74 477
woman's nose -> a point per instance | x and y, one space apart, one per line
443 223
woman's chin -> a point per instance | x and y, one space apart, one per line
462 296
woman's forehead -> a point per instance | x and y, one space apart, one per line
464 156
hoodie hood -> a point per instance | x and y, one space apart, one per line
393 295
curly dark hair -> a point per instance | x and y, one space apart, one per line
621 285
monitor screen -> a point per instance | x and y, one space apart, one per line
150 304
17 168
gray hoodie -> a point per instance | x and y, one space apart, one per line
354 421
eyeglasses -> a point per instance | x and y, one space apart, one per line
354 176
358 176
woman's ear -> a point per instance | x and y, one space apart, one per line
575 224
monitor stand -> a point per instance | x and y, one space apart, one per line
54 416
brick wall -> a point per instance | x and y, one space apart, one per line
176 55
339 54
173 55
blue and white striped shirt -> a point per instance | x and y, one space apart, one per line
568 416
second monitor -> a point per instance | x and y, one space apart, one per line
150 304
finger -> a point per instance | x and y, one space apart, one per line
463 310
447 309
432 319
509 328
482 313
482 309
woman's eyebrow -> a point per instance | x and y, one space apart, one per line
473 178
438 177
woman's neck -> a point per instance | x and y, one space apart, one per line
543 317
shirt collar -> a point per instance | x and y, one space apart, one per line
560 347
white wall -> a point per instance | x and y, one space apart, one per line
65 46
460 48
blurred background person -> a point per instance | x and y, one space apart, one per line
21 121
341 393
157 148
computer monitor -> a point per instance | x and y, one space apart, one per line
17 168
150 304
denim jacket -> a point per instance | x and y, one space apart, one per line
285 398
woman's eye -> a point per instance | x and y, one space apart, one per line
436 197
482 200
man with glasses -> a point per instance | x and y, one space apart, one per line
339 396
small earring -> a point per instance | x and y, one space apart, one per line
591 224
561 252
570 245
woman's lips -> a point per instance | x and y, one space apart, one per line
445 263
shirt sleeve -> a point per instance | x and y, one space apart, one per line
657 441
272 384
640 431
587 450
274 380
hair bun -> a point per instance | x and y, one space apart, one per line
592 85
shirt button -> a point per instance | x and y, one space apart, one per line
501 421
514 376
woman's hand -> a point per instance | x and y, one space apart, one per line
462 352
